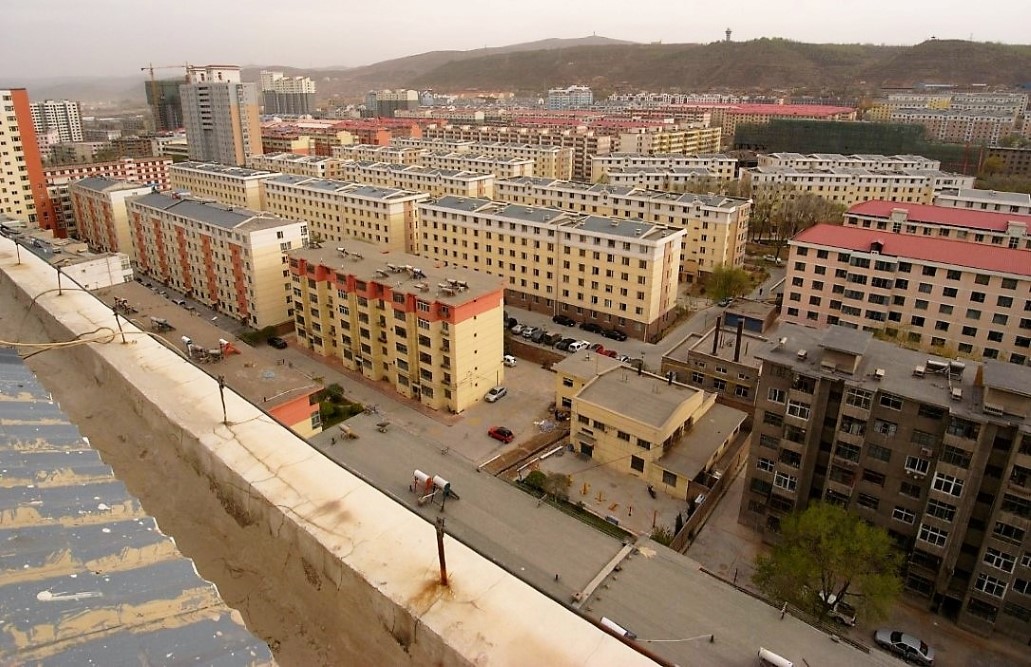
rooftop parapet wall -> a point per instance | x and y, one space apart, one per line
358 571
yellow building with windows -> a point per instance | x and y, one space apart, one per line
716 226
377 153
100 213
620 274
650 427
435 334
341 210
233 186
436 182
230 259
313 166
548 161
694 138
624 166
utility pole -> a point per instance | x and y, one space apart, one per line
440 551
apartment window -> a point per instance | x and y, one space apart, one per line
1008 532
981 279
940 510
798 409
990 585
1004 302
917 465
858 398
768 441
772 418
904 515
891 401
973 314
955 456
932 535
910 489
873 477
885 427
948 484
878 453
783 481
637 463
766 465
999 559
790 458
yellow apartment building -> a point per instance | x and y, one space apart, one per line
374 153
232 186
340 210
716 226
101 218
498 166
312 166
662 432
548 161
673 140
832 160
716 165
230 259
618 273
435 334
436 182
851 185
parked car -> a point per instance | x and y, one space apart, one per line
591 327
614 334
517 329
508 360
501 433
625 358
724 302
564 344
538 335
840 611
906 646
551 338
578 345
564 320
495 393
527 332
596 346
608 353
510 322
276 342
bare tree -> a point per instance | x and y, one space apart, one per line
802 212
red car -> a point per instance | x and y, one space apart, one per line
501 433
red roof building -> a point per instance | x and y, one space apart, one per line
1004 230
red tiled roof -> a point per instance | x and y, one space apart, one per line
944 251
942 215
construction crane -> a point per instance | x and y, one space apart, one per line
154 86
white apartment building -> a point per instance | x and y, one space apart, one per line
850 185
812 161
233 186
720 166
312 166
376 153
548 161
61 115
340 210
99 209
985 200
620 274
233 260
436 182
573 97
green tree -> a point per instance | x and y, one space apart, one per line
536 480
830 550
727 281
557 484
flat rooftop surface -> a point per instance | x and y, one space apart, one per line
86 576
690 454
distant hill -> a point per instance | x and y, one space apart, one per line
614 65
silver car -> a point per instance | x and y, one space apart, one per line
907 647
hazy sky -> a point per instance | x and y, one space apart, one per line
117 37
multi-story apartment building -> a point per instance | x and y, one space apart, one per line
985 200
548 161
1012 161
721 166
101 217
312 166
221 115
152 172
134 147
376 153
931 292
618 273
436 182
383 103
672 179
230 259
290 95
573 97
339 210
497 166
168 110
958 126
691 139
21 169
937 452
1005 230
810 161
77 152
585 142
435 334
716 227
61 115
668 436
232 186
851 185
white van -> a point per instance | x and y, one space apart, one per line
768 658
579 345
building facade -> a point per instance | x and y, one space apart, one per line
548 161
168 110
313 166
232 260
232 186
152 172
671 140
287 95
717 165
340 210
61 115
1003 230
435 334
101 216
383 103
937 452
985 200
221 115
21 171
618 273
435 182
572 97
938 294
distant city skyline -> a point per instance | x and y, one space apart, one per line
54 38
